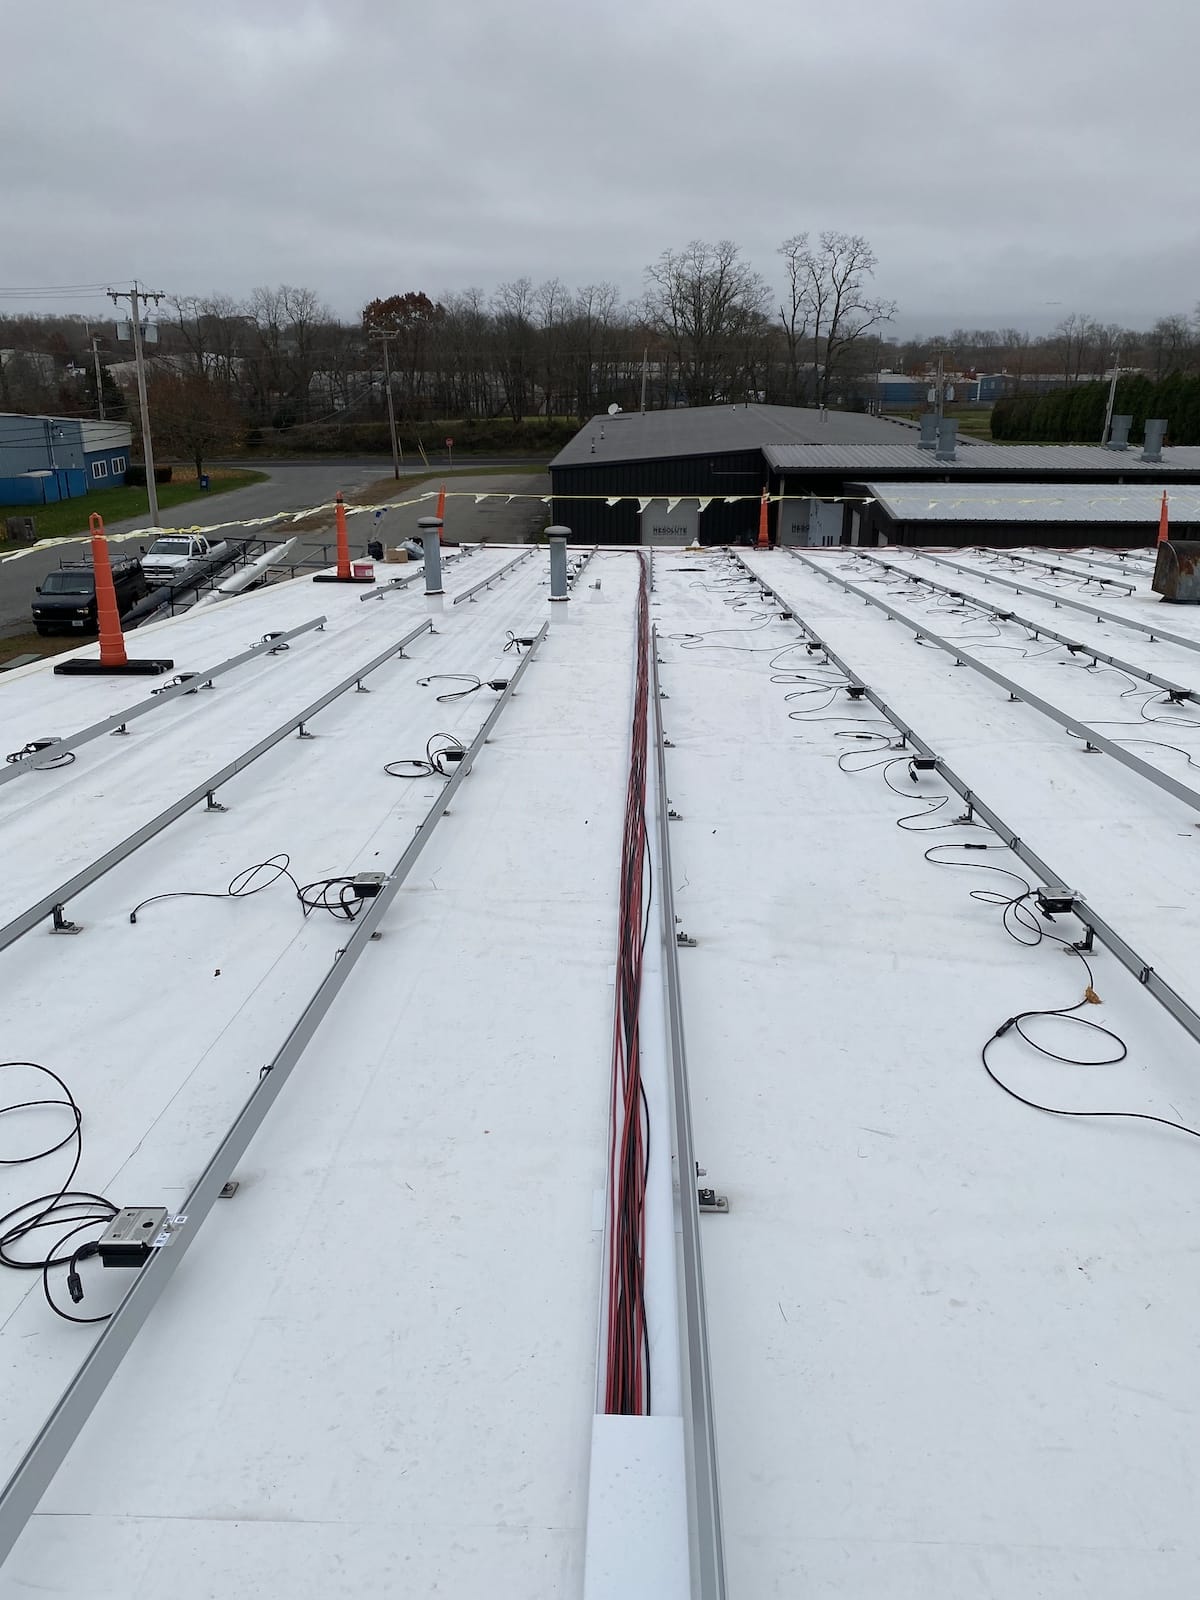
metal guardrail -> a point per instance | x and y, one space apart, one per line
1172 1002
116 723
1016 691
486 583
704 1499
1039 630
1058 599
58 1433
54 904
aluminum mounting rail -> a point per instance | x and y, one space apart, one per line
1177 691
1072 555
45 1455
198 680
392 586
1068 572
501 572
1058 599
1015 691
1184 1014
704 1500
54 903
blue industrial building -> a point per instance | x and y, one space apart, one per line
46 459
903 389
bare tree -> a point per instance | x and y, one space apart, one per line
192 417
1172 345
706 302
835 295
512 308
796 309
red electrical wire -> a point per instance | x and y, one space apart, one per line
627 1377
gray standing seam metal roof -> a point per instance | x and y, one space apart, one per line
701 430
1034 502
997 460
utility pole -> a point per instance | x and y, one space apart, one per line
95 338
384 336
645 355
1112 397
137 297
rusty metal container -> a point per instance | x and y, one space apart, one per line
1177 572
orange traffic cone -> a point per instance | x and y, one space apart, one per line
1163 531
345 572
343 539
764 538
108 619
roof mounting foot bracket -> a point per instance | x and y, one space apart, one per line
710 1200
121 729
61 924
359 689
303 733
685 940
211 803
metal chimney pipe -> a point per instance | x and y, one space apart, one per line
430 529
1118 433
558 536
1152 446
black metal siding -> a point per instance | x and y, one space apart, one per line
1010 535
593 522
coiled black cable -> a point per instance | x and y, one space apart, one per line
439 759
335 895
78 1209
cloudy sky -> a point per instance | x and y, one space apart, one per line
1010 160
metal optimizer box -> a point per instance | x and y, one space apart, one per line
128 1240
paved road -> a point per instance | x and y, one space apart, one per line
292 486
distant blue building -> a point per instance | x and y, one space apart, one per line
46 459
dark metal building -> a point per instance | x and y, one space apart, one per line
675 476
705 453
1000 514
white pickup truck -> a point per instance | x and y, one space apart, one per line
180 555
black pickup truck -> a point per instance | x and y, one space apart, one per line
65 601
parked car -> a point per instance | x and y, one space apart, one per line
176 556
65 601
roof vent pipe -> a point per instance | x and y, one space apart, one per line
1118 433
947 438
929 428
1152 446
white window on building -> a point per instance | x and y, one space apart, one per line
118 465
99 469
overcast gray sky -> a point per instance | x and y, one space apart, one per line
1009 159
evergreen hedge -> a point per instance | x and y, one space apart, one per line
1077 415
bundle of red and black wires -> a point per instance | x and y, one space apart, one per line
627 1376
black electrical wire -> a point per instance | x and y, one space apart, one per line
439 759
335 895
473 683
1019 922
32 748
76 1208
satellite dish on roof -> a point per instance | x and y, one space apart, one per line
613 409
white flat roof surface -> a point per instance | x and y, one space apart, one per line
952 1337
